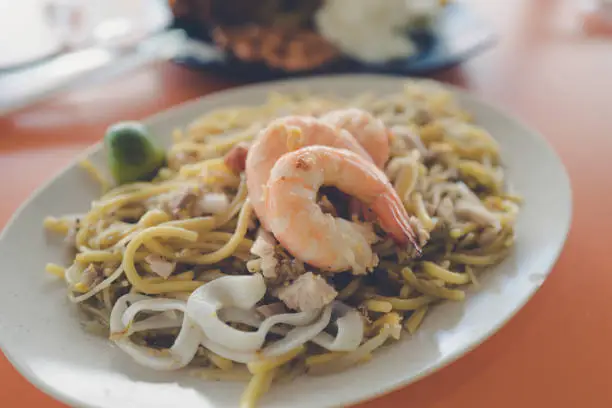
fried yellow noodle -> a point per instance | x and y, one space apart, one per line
193 224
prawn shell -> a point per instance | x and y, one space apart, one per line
330 243
281 136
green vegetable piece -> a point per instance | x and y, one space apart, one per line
132 155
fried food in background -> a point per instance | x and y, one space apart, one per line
283 48
277 33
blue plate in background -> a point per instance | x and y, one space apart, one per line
458 35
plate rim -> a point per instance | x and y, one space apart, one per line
393 385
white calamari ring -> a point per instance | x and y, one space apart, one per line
349 324
242 292
179 355
350 330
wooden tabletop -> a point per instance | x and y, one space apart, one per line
557 352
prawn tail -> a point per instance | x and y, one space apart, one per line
412 238
408 232
394 220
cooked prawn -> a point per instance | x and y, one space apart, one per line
319 239
284 135
369 131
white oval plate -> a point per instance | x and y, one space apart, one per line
41 334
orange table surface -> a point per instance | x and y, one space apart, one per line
557 351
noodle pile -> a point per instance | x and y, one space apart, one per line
193 225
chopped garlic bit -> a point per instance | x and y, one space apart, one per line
160 266
213 203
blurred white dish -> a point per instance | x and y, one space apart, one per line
41 335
